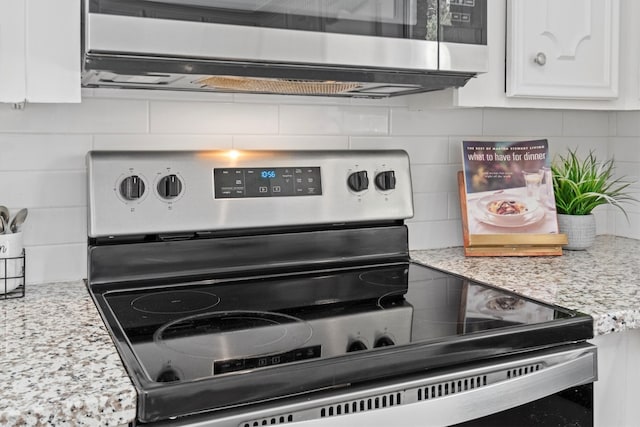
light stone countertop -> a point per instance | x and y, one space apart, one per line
603 281
59 366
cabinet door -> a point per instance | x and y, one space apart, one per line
12 46
53 51
563 48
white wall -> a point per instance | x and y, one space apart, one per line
42 151
624 147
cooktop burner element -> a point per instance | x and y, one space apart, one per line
175 302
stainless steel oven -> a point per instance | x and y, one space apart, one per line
257 288
374 48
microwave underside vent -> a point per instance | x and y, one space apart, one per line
182 74
279 86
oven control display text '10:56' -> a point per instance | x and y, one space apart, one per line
233 183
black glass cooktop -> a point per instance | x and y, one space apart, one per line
251 339
199 330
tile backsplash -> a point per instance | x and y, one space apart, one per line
43 147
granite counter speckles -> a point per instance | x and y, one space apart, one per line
58 363
603 281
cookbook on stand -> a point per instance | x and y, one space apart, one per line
507 200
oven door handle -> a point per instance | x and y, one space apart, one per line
473 404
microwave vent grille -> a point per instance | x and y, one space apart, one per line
279 86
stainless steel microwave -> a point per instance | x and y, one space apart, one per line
327 47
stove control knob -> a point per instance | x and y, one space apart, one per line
132 187
169 186
386 180
358 181
356 346
384 341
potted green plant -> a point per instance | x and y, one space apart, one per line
580 185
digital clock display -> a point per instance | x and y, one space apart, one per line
238 183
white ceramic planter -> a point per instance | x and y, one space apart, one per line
580 230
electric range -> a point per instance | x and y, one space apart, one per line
262 287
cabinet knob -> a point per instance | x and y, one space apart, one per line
540 59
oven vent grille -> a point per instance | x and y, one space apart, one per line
443 389
362 405
269 421
523 370
401 395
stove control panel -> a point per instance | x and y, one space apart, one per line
267 182
155 192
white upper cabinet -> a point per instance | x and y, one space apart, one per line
53 51
563 48
40 51
564 54
12 45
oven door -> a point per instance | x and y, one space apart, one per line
394 34
549 387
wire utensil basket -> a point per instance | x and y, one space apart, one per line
12 276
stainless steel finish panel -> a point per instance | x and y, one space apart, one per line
196 209
558 371
464 57
173 38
